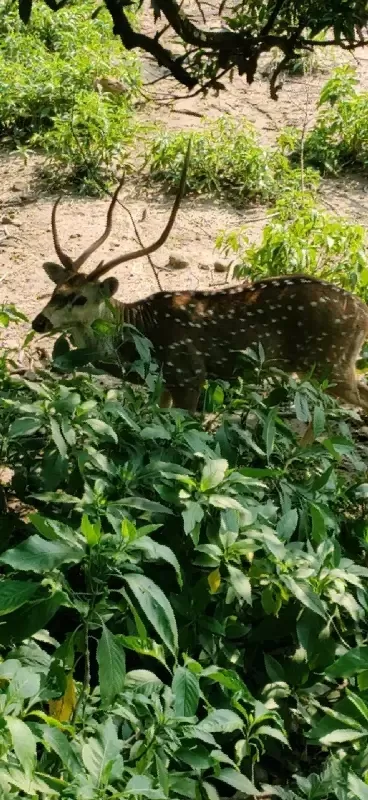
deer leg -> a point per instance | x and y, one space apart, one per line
363 395
166 399
346 388
179 397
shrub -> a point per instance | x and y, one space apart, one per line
48 70
339 138
226 160
184 610
301 236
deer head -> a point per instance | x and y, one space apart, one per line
79 298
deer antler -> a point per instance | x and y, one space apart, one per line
102 268
67 261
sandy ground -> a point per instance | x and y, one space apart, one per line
25 231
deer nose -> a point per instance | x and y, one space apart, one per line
41 324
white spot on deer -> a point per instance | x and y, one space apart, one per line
337 321
323 300
300 308
260 311
273 321
300 324
289 308
289 283
169 364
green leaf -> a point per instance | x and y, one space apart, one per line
213 473
224 501
319 420
271 600
185 687
156 607
286 525
221 721
99 754
24 743
58 437
111 667
142 504
154 551
155 432
363 680
37 555
91 531
196 757
68 431
301 407
338 736
13 594
24 426
318 523
237 781
104 430
358 703
305 595
269 430
192 516
53 529
351 663
25 622
59 743
240 583
162 775
274 733
274 669
357 787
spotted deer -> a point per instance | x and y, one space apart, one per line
301 322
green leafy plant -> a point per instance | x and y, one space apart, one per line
184 608
226 160
48 99
301 236
339 138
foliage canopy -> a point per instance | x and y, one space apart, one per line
235 37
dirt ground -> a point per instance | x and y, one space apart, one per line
25 230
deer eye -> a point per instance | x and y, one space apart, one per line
79 301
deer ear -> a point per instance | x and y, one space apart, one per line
55 272
110 286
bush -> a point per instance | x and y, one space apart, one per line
227 160
184 611
48 70
339 138
301 236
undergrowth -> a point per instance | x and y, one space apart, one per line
227 160
301 236
184 610
339 138
48 100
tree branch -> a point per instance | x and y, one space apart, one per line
131 39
